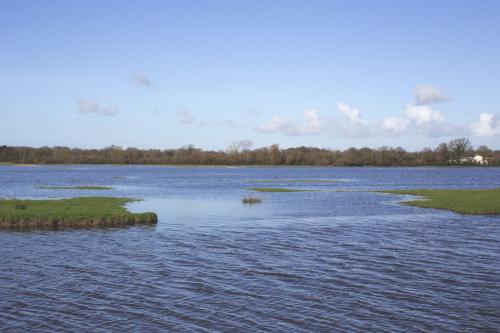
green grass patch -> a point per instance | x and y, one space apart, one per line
295 181
476 202
277 189
85 211
93 188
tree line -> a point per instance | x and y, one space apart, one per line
240 153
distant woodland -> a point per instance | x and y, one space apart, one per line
240 153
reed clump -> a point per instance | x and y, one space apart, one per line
251 200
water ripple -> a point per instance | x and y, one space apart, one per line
285 266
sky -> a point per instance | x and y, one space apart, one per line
330 74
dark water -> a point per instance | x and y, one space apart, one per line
326 261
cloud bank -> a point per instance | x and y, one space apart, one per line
418 118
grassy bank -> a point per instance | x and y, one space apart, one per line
85 211
477 202
93 188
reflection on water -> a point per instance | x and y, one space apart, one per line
194 211
312 261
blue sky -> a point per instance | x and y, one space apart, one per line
163 74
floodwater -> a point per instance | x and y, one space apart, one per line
341 259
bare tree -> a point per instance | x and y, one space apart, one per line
484 151
460 148
239 146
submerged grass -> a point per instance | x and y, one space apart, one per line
94 188
85 211
464 201
277 189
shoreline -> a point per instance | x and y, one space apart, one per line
251 165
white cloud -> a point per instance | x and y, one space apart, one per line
417 119
311 126
313 121
278 124
91 106
353 114
185 117
426 94
394 125
488 125
422 115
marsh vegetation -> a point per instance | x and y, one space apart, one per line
85 211
90 188
296 181
464 201
277 189
251 200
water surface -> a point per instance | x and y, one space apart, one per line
340 259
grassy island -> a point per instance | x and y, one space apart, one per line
296 181
476 202
276 189
81 212
92 188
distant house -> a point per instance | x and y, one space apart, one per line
478 159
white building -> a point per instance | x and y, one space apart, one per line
478 159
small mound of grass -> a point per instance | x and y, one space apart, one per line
474 202
251 200
92 188
277 189
85 211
